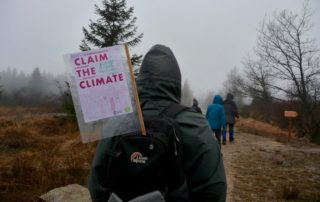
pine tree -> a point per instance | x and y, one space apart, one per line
36 81
115 25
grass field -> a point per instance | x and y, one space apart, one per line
269 167
40 151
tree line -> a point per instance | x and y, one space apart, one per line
34 90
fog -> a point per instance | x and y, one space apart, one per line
209 38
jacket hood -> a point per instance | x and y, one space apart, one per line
159 76
229 96
217 100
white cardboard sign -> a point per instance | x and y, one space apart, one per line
102 92
101 83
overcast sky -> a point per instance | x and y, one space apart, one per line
208 37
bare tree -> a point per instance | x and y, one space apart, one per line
206 99
256 84
257 79
235 85
231 84
293 60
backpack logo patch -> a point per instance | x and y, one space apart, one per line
136 157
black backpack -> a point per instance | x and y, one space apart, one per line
139 164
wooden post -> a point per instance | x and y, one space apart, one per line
290 115
135 91
289 129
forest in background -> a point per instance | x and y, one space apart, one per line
18 89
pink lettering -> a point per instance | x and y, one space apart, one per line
82 84
109 80
120 77
88 84
92 82
76 61
86 72
79 72
90 60
115 77
100 81
93 70
103 57
83 62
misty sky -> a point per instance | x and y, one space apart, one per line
208 37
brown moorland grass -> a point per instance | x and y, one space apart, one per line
260 128
16 111
39 152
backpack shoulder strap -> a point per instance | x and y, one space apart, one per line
173 110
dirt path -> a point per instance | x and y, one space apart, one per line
245 143
229 152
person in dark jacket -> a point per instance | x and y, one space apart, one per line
216 116
159 85
231 111
195 106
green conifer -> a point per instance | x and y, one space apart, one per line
116 25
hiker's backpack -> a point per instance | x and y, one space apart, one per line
139 164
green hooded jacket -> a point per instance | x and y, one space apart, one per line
159 85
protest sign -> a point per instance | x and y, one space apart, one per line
104 92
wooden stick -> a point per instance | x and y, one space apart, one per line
135 91
289 129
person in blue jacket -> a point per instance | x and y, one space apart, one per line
216 116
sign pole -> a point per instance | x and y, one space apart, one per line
290 115
135 91
289 128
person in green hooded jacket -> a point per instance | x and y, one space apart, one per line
159 85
